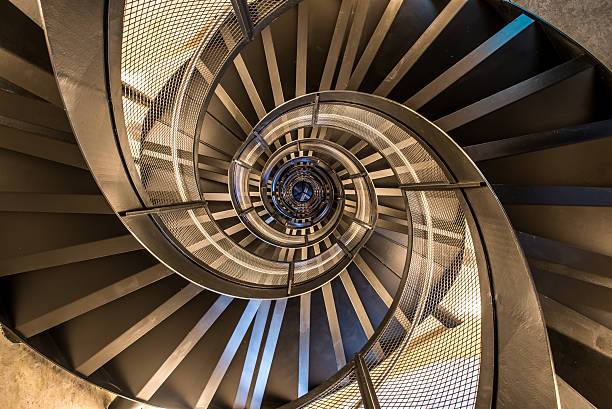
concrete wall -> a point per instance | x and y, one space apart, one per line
28 381
589 22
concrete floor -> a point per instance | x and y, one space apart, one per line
28 381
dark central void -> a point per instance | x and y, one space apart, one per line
302 191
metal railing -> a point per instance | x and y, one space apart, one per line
507 363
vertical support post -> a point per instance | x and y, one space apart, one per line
366 388
243 17
290 277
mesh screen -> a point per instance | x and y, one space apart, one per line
209 244
164 98
260 9
344 393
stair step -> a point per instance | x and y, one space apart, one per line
590 300
574 259
539 141
554 195
570 398
29 77
70 254
576 326
512 94
48 319
574 225
53 203
33 111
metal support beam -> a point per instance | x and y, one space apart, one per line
366 388
244 18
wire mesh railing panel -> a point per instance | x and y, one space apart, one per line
441 365
202 237
162 99
428 355
343 394
260 9
411 162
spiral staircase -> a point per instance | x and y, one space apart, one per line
318 203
